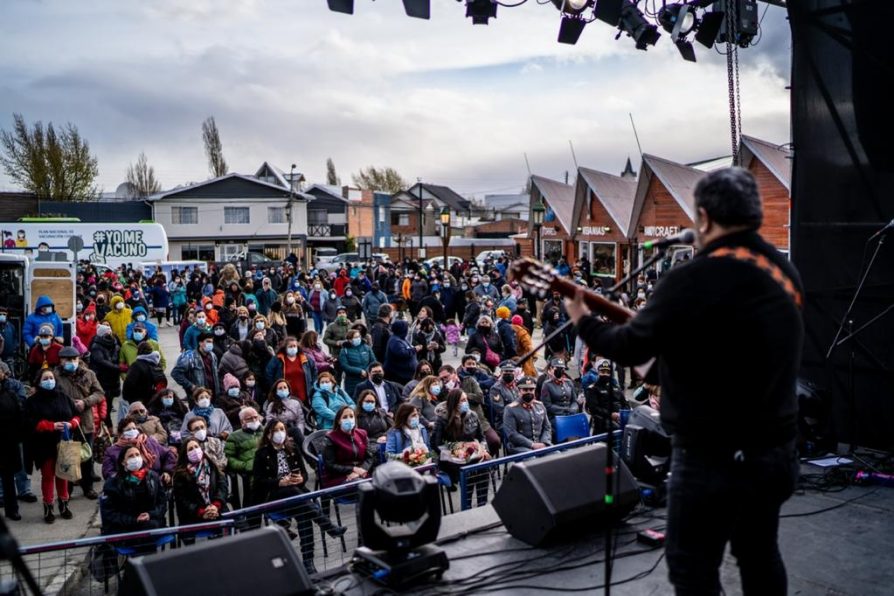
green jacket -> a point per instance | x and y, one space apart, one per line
128 352
240 450
334 336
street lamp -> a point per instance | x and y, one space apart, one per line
445 232
289 208
421 222
537 217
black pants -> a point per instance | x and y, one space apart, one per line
10 501
716 498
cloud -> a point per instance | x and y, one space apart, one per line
441 100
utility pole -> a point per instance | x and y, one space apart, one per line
289 208
421 221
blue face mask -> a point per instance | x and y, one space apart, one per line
48 384
233 392
282 393
44 341
356 341
436 390
464 407
347 425
209 347
326 386
70 367
2 318
414 422
167 401
368 406
141 318
139 336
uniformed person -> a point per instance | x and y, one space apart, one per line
604 398
501 394
525 421
557 392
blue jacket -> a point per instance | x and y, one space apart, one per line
353 361
190 336
397 440
371 303
151 329
189 372
509 302
10 339
161 297
400 357
485 381
507 338
35 320
327 403
275 372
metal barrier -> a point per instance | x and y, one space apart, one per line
95 565
483 476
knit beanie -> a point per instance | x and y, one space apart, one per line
503 312
230 381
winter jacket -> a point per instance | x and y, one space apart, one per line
218 423
507 339
498 397
233 362
191 336
12 427
144 378
240 449
290 412
380 334
189 372
123 501
275 371
342 452
33 322
352 306
375 423
421 338
400 357
165 459
327 403
371 303
334 336
190 504
470 428
83 385
104 362
523 345
398 440
153 427
265 472
86 329
128 353
151 329
119 319
392 393
42 410
354 361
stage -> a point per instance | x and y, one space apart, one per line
832 543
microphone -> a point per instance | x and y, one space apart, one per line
687 236
884 230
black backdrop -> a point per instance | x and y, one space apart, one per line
843 191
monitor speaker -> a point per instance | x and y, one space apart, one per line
257 562
562 495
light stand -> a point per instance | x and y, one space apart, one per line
9 550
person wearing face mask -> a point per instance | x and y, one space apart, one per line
557 392
352 305
372 302
316 304
177 291
139 315
241 327
216 421
373 419
486 289
260 324
200 487
9 336
233 360
266 297
44 315
604 398
281 405
486 341
199 367
170 411
429 342
104 361
48 413
200 325
472 368
400 357
296 366
221 340
346 453
524 344
525 421
456 422
561 344
328 399
503 392
423 370
335 336
354 359
279 472
388 394
240 449
12 427
86 324
128 352
44 353
133 499
418 290
149 425
293 312
156 456
119 317
427 394
407 433
380 332
233 399
80 384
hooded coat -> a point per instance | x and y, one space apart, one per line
119 319
151 329
86 325
36 319
400 357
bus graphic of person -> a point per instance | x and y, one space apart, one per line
21 241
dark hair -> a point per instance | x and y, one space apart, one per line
154 405
468 357
366 393
195 419
418 374
730 197
338 414
384 311
454 418
183 460
404 411
121 457
372 365
144 348
196 392
275 403
447 368
125 421
267 437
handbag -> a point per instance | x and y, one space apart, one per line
102 440
68 458
490 357
86 448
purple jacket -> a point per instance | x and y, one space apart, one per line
165 459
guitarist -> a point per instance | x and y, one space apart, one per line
729 318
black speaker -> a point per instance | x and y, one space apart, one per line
257 562
562 495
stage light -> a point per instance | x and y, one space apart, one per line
634 24
677 19
480 11
344 6
608 11
572 6
686 50
709 27
572 22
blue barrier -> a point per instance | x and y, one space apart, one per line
486 467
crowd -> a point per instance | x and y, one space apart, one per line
353 358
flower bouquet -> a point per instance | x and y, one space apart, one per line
415 457
462 452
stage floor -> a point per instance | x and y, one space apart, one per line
847 549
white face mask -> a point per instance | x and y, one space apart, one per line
201 434
130 434
253 425
279 437
204 402
134 463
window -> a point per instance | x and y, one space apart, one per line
236 215
602 258
198 252
381 211
317 217
185 215
553 250
276 215
400 219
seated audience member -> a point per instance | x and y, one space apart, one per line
407 433
373 419
388 393
200 488
216 420
328 399
283 406
346 454
133 499
156 456
457 423
170 411
425 397
525 421
149 425
213 447
233 399
278 472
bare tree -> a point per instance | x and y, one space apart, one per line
54 166
331 177
217 165
141 177
384 179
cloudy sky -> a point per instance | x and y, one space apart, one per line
290 82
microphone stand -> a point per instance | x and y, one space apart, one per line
611 487
9 550
837 341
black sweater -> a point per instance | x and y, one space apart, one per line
729 340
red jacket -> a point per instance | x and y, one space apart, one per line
341 282
87 329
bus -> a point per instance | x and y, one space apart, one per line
60 239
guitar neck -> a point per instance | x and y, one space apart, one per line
596 303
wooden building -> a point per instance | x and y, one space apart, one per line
556 239
771 165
